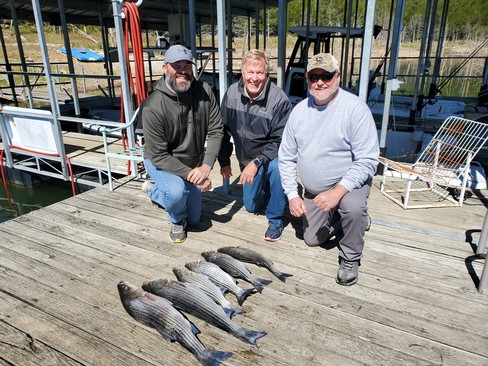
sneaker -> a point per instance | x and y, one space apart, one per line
178 232
348 272
369 223
273 233
146 186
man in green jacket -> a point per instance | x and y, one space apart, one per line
179 118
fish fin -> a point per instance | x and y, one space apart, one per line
244 294
210 357
282 276
229 312
250 336
194 329
236 310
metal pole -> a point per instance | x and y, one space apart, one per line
221 43
392 71
10 77
21 53
124 78
191 36
49 80
69 57
366 50
282 16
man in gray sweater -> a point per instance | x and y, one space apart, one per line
331 141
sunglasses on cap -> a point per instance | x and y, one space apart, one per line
326 76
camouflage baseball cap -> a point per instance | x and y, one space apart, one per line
324 61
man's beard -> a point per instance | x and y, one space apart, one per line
180 87
323 97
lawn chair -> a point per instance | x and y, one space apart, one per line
441 169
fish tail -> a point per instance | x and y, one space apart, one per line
261 283
243 295
250 336
282 276
236 310
211 357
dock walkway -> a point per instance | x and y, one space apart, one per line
416 301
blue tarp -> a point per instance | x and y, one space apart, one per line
83 54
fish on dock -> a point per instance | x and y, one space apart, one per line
250 256
221 278
192 300
158 313
235 268
211 289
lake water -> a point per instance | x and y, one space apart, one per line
24 199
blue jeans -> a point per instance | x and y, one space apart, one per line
266 190
180 199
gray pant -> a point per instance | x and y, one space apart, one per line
351 214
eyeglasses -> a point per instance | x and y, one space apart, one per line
325 77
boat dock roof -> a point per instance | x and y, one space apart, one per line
416 301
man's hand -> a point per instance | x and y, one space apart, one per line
205 186
226 171
297 207
248 174
329 199
199 174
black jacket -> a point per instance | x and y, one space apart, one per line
176 127
256 125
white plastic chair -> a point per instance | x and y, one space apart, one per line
442 166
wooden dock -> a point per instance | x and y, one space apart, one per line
416 301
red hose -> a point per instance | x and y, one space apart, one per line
73 189
4 180
133 34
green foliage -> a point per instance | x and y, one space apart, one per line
460 26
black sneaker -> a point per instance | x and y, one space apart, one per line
348 272
273 233
178 232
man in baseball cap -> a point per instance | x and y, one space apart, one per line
182 132
331 139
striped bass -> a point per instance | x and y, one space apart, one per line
192 300
211 289
158 313
221 278
235 268
250 256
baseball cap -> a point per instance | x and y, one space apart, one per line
177 53
324 61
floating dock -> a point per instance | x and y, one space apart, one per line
416 301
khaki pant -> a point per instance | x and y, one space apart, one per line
351 215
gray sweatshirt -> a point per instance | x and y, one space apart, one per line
328 145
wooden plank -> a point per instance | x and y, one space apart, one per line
396 315
415 303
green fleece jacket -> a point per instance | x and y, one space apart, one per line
177 126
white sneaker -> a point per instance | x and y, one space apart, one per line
146 186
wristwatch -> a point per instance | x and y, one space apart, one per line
257 162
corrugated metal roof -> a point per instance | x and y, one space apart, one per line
153 13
